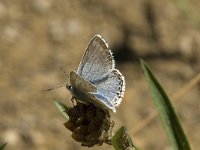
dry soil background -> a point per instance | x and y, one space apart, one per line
39 36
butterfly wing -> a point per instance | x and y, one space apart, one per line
97 60
80 86
111 88
105 102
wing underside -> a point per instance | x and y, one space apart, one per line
112 88
97 60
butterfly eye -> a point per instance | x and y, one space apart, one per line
69 87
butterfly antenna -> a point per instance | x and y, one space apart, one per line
55 87
61 68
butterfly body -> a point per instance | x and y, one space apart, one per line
96 80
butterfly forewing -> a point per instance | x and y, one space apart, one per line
97 60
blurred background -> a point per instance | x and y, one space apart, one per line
39 36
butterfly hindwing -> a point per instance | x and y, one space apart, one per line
112 87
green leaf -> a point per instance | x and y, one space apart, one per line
167 114
122 141
62 108
3 146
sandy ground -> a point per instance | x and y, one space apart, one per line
37 37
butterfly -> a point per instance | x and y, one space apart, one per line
96 80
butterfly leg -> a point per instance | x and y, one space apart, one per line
73 99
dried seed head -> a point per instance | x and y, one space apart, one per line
89 124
